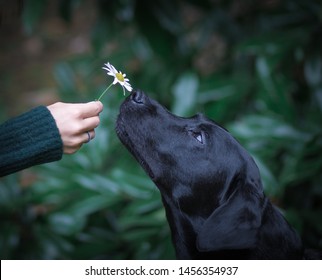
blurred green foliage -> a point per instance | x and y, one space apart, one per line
253 66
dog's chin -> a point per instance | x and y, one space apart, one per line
133 149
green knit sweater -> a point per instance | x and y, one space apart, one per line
29 139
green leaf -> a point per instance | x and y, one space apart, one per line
270 182
185 94
313 71
89 205
32 12
66 224
66 79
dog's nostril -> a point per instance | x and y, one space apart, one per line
138 97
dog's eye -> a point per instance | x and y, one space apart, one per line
198 136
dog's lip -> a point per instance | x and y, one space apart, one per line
126 140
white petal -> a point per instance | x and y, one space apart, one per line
128 87
110 68
107 67
109 72
113 69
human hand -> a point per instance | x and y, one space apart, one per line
76 122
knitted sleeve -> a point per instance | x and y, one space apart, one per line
29 139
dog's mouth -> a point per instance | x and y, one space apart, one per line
132 147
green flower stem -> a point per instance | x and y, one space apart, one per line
104 92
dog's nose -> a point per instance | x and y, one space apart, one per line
138 96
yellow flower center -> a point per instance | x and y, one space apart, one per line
120 77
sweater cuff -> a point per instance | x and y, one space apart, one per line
29 139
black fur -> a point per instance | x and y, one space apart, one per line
210 186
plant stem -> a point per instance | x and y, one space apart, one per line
104 92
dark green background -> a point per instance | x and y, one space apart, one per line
253 66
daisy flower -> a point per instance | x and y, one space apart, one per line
118 78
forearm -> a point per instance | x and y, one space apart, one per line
29 139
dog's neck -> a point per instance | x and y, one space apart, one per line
179 226
180 213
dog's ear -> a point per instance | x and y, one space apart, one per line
234 224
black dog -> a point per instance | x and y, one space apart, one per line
210 186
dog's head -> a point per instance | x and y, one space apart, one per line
200 170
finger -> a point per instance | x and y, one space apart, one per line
88 136
74 144
90 123
72 150
92 134
91 109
